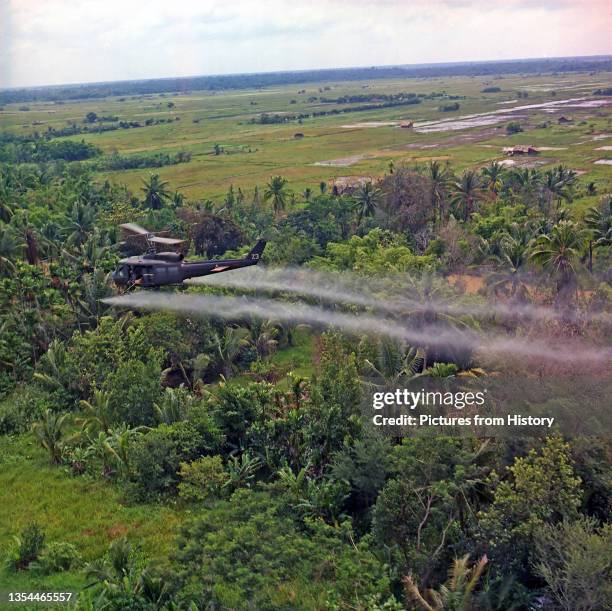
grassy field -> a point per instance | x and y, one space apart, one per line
341 144
90 513
86 512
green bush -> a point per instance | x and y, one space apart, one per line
21 408
157 456
26 548
133 388
247 553
202 479
57 557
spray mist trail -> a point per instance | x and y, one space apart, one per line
345 287
237 308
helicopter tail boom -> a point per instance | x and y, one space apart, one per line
257 251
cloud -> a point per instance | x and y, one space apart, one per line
60 41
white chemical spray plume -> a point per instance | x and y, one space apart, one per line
345 287
239 308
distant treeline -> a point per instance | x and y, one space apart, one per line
266 118
243 81
379 97
75 129
116 161
19 149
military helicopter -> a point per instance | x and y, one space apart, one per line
154 269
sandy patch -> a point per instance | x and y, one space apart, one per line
591 104
603 162
369 124
551 148
507 162
602 136
604 148
343 161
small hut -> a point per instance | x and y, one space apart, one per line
521 150
347 185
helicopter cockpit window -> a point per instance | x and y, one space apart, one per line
121 272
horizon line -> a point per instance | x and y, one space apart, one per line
305 70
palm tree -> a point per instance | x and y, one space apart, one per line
174 405
50 434
323 187
466 192
51 239
6 210
98 413
8 250
256 198
438 179
80 224
178 199
598 221
553 188
242 471
155 192
524 184
558 251
493 178
514 256
455 594
307 194
394 361
367 200
121 578
276 190
229 346
263 336
25 232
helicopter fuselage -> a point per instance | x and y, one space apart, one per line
153 270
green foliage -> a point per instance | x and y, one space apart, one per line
236 408
575 561
513 128
156 457
541 489
456 594
26 548
132 390
174 405
248 553
334 412
420 513
50 433
558 253
122 582
202 479
365 466
277 192
376 252
19 409
57 557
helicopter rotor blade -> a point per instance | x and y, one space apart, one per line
134 228
168 241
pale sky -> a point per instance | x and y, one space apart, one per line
46 42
